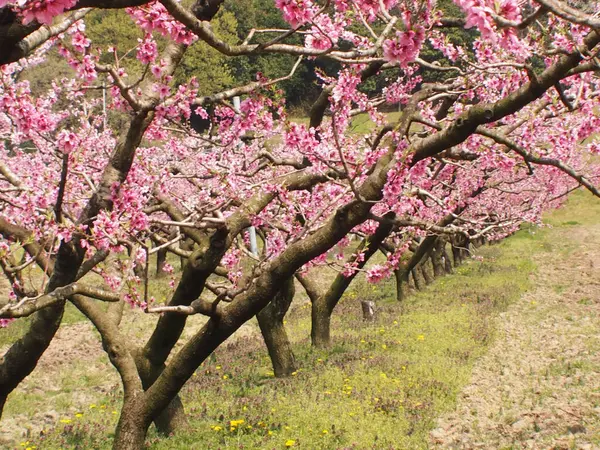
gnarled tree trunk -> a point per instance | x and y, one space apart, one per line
270 321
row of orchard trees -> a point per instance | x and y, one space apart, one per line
502 135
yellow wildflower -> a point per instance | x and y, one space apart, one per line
235 423
420 337
290 442
65 421
78 415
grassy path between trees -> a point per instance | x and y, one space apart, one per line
513 338
538 386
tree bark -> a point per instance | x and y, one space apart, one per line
161 261
173 417
270 321
320 332
446 258
401 284
416 279
436 258
425 272
132 427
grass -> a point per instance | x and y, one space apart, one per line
381 385
18 328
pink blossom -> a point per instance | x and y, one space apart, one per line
147 50
405 48
67 141
296 12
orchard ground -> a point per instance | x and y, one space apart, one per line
505 353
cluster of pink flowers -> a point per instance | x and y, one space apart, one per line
297 12
405 47
154 17
41 10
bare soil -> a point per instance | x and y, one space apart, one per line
538 387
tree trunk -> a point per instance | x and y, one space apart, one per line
416 279
173 417
270 321
161 260
320 332
436 258
22 357
446 258
187 245
401 283
425 272
131 429
456 251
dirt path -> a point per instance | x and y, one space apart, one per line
538 387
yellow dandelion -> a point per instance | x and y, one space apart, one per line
384 346
325 432
290 442
420 337
78 415
65 420
225 377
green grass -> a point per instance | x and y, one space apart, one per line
17 329
381 385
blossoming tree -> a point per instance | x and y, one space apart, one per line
489 136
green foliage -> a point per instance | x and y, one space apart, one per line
211 68
114 27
